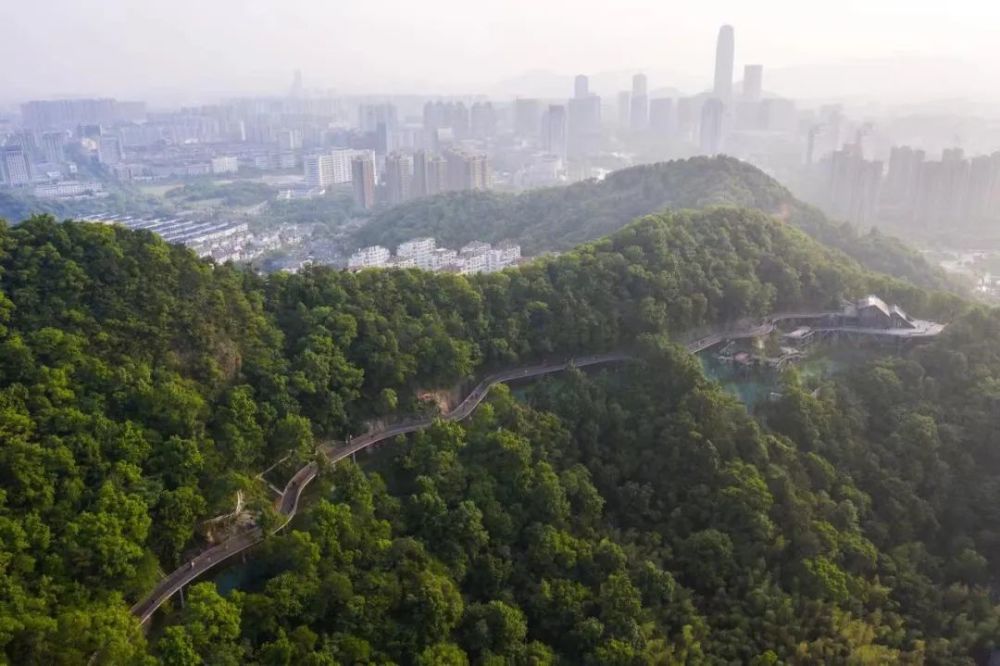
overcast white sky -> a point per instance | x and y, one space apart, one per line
198 49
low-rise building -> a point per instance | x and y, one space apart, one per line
420 250
225 164
374 256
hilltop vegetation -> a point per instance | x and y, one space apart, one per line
140 388
642 517
235 193
560 218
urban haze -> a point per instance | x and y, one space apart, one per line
527 333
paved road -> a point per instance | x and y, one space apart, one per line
288 504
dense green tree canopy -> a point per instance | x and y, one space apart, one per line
560 218
639 518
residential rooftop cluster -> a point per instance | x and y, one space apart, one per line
474 257
220 240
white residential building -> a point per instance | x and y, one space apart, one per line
508 253
334 168
67 189
318 170
225 164
420 250
441 257
374 256
475 257
340 160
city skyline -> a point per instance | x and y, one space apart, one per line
910 49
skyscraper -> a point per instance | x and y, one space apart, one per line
482 120
527 117
554 130
639 84
639 111
466 171
753 82
109 149
429 174
725 51
854 184
318 170
15 167
581 86
661 116
398 177
584 125
711 126
624 109
363 178
53 147
437 175
419 184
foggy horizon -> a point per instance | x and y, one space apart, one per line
188 53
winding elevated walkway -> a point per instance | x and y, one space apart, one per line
288 504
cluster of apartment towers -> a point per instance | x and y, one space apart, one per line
405 176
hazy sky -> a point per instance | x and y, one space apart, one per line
198 49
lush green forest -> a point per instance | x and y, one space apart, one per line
638 518
19 204
235 193
560 218
332 210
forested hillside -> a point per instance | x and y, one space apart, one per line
641 517
140 388
560 218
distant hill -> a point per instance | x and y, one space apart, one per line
560 218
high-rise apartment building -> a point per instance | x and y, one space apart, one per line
318 170
398 178
363 180
466 171
624 109
437 175
342 163
419 184
109 150
639 105
725 53
527 117
661 116
54 147
581 86
854 185
584 125
554 130
712 119
905 164
370 115
290 139
430 174
15 166
482 120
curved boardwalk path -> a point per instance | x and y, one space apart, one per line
288 504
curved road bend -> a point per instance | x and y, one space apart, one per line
288 504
